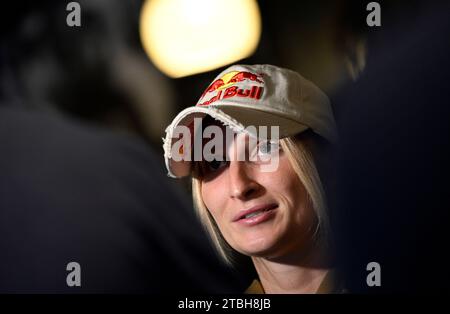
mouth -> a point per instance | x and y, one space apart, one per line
255 214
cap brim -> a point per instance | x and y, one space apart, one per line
238 118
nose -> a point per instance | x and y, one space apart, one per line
242 184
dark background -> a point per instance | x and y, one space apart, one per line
86 109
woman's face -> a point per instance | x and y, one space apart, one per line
259 213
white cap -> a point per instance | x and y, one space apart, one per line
257 95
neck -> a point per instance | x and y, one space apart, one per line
296 273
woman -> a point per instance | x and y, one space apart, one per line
259 193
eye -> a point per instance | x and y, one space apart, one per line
215 164
267 148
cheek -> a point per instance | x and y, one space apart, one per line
287 185
302 213
213 201
215 204
284 180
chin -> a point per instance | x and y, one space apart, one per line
259 247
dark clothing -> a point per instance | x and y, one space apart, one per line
394 163
74 193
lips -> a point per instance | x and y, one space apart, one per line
254 212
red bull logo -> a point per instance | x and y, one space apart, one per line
225 89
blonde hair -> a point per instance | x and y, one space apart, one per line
304 165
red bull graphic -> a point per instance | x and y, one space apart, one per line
240 76
225 89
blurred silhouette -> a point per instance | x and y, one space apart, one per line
97 72
72 191
395 136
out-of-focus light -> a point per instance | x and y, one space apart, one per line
185 37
